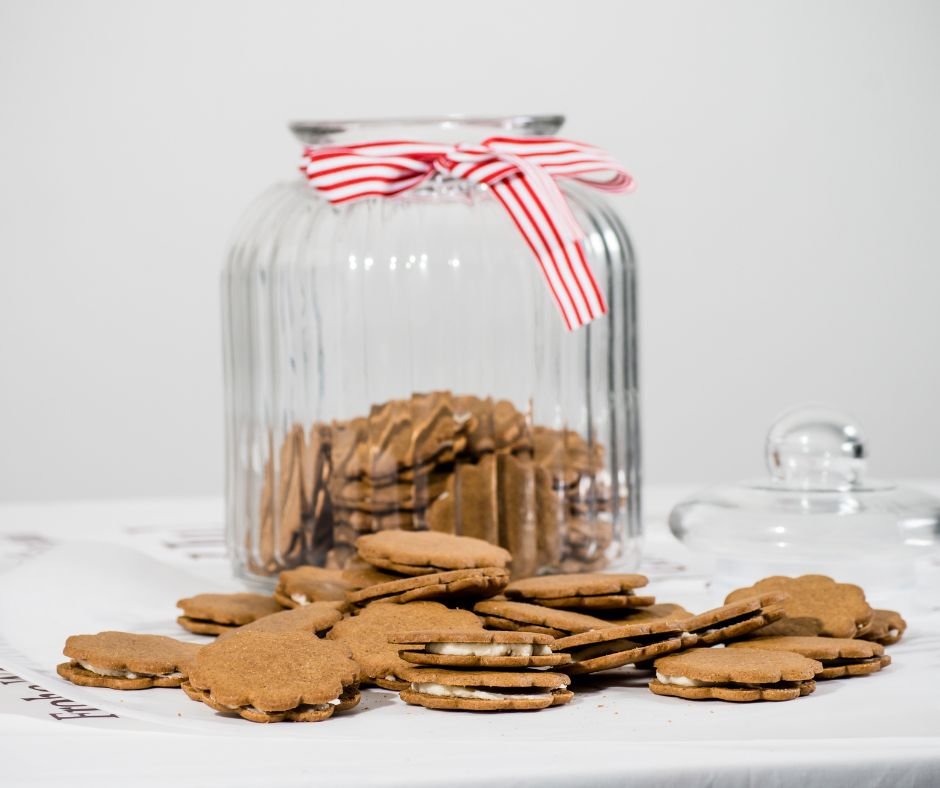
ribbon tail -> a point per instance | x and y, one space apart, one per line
539 209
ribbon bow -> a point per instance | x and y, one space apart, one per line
521 172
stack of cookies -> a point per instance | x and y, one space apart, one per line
452 464
564 605
428 565
476 670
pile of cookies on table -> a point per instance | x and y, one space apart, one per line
435 618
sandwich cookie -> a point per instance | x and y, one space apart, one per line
524 617
367 634
725 674
306 584
614 647
124 661
428 552
736 675
815 605
473 690
886 628
582 591
274 677
315 619
840 657
661 611
733 620
212 614
477 649
460 584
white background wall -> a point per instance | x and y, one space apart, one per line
787 155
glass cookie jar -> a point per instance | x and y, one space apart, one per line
398 362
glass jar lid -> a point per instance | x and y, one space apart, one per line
817 511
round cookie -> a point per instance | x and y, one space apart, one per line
212 614
472 690
614 647
367 636
125 661
477 649
427 552
274 677
525 617
840 657
736 675
832 609
460 583
585 590
315 618
886 628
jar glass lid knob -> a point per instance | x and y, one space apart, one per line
816 448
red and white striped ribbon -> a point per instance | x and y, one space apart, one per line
520 171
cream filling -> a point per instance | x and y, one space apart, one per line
300 599
488 649
449 691
685 681
126 674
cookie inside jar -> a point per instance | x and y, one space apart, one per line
452 463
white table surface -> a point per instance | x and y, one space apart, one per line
83 567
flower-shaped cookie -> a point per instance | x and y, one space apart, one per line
125 661
275 676
815 605
738 675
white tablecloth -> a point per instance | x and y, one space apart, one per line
85 567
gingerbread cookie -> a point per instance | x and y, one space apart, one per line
427 552
305 584
662 611
280 535
472 690
366 635
886 628
274 677
614 647
515 493
478 649
523 617
361 574
832 609
459 584
734 620
125 661
212 614
587 591
735 675
840 657
315 618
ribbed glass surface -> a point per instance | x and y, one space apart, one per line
399 363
